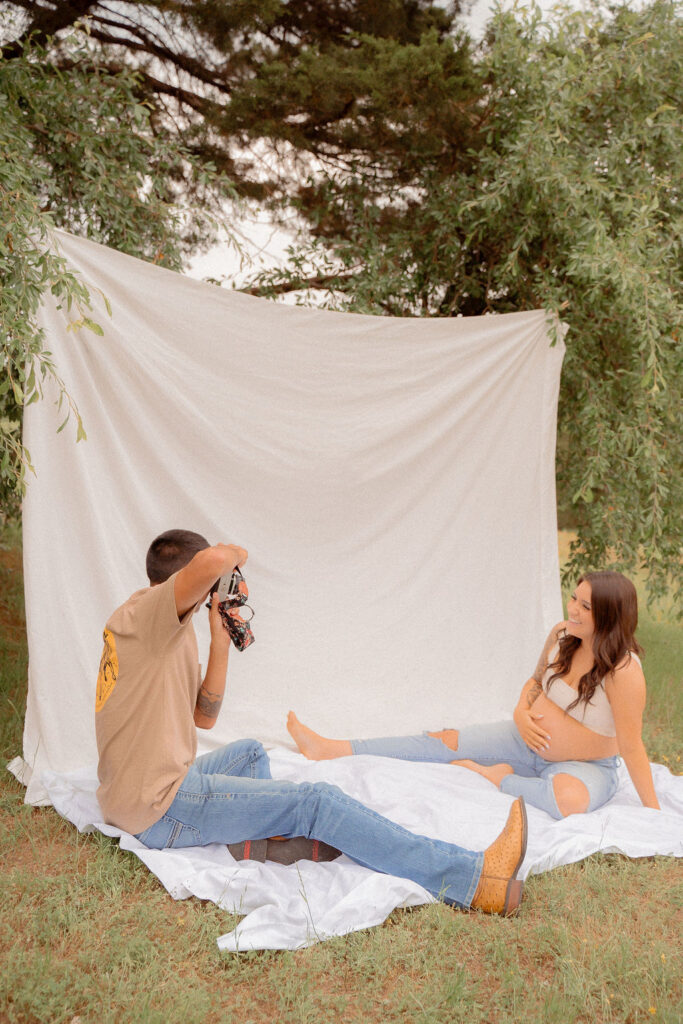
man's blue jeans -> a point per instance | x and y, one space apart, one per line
229 796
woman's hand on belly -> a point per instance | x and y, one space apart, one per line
532 728
569 740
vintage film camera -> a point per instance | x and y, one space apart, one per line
234 611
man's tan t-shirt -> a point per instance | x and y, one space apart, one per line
147 690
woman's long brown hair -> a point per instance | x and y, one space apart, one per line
614 604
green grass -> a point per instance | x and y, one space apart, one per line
89 935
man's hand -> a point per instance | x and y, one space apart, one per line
220 638
233 555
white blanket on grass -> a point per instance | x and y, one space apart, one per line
298 905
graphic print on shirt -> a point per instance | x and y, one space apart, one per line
109 670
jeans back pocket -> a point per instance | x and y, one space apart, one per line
168 833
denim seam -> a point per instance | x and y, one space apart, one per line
401 757
244 759
197 798
175 832
475 881
229 770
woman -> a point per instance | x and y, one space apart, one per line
582 707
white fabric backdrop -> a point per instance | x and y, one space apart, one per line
392 480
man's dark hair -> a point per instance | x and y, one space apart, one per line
171 551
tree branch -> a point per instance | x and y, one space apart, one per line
46 23
190 99
295 284
183 62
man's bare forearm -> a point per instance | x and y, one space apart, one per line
196 578
208 703
212 690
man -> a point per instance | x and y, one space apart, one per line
149 699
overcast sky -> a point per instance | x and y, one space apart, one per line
481 9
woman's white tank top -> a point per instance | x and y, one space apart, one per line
596 715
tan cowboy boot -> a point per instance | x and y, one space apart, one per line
499 891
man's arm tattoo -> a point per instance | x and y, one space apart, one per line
208 703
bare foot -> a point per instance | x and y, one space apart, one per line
313 746
495 773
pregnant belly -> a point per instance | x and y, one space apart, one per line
569 740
